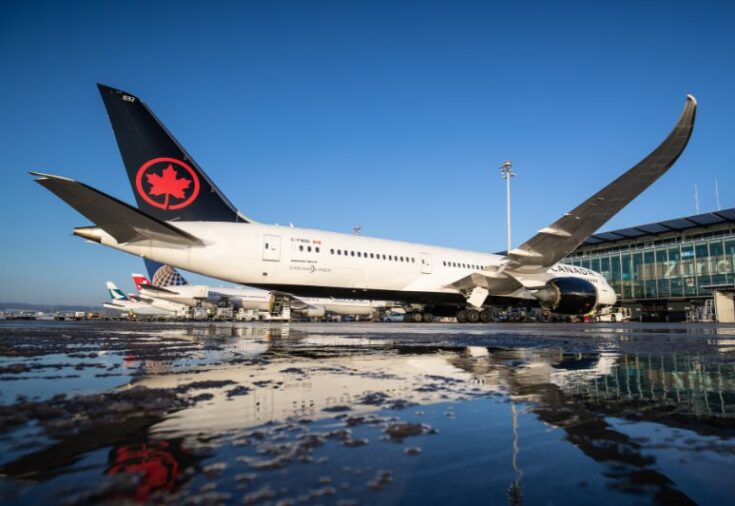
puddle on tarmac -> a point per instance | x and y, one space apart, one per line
365 414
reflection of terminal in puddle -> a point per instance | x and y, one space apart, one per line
687 383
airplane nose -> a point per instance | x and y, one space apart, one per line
89 233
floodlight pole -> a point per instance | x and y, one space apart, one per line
506 172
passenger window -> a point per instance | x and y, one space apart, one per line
358 254
352 253
301 248
371 255
317 249
331 251
308 248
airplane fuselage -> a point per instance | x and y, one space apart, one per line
315 263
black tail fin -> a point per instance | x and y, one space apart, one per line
168 184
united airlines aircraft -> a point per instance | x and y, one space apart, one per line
184 220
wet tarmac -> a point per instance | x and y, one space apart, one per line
362 413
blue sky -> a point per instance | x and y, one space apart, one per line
393 115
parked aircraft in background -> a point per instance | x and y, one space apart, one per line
168 284
128 304
174 307
184 220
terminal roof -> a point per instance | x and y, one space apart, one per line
662 227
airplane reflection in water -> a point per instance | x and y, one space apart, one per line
315 376
280 374
302 375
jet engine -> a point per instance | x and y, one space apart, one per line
313 311
568 296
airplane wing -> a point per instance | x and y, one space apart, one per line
122 221
556 241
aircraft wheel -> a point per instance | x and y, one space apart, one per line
473 316
417 317
486 316
428 317
461 316
408 317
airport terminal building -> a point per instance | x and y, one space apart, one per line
671 270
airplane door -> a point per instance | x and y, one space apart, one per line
272 248
425 263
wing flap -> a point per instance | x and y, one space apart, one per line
556 241
497 284
122 221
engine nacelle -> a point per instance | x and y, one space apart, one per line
570 295
313 311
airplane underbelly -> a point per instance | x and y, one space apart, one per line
347 309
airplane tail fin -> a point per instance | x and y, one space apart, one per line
168 184
164 275
139 280
115 292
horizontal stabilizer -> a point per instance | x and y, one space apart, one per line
154 288
122 221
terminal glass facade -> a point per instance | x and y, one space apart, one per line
671 269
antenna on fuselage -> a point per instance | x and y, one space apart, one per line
357 229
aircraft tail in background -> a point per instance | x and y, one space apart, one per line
164 275
115 292
139 280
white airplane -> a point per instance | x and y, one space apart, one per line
176 308
127 304
169 285
185 221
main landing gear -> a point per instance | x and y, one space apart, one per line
473 315
418 317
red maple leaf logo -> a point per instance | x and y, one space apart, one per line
151 181
168 184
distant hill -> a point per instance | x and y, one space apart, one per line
49 308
